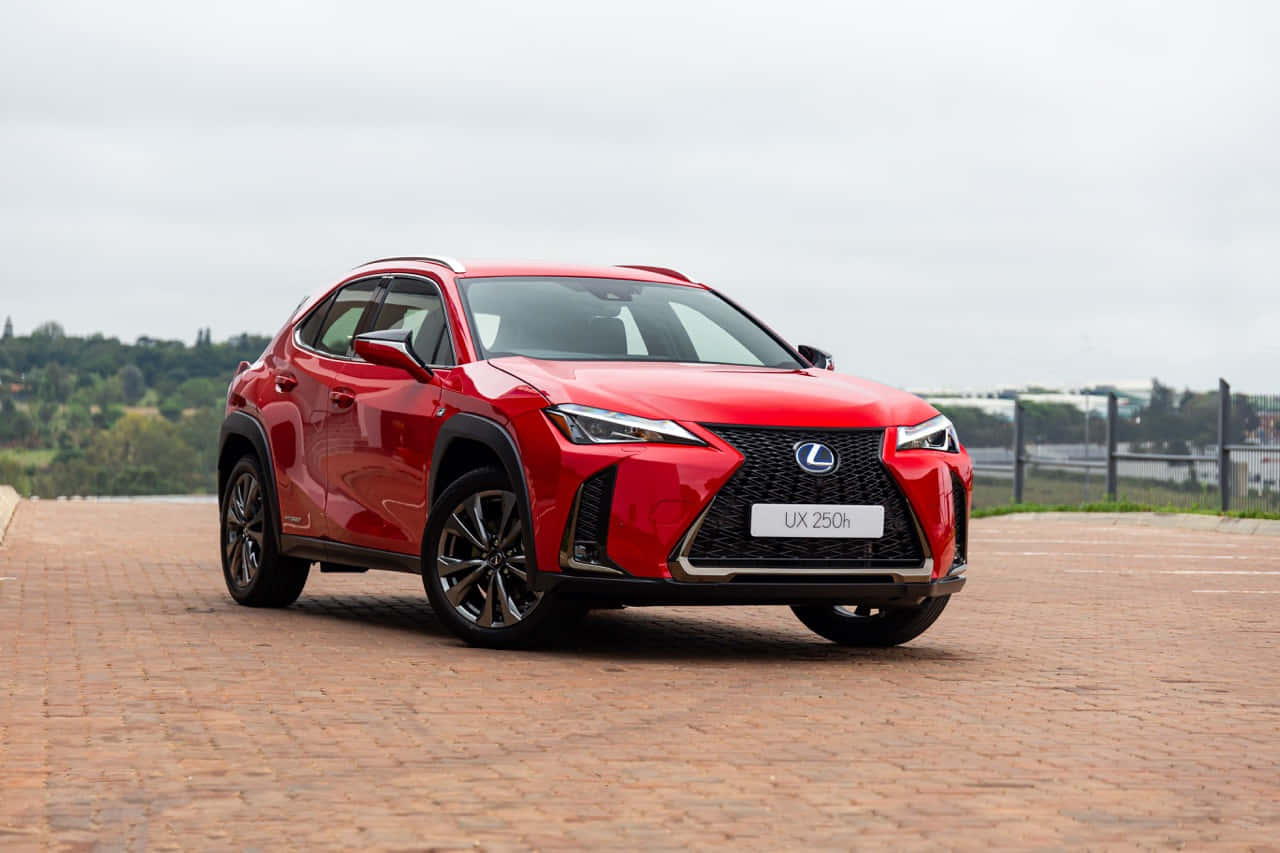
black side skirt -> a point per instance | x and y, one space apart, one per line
326 551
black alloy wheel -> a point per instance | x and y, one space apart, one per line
476 567
257 574
859 625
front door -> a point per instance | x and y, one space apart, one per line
295 415
381 428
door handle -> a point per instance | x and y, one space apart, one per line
342 398
285 382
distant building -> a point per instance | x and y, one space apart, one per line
1130 397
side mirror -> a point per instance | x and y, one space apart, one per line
820 359
391 348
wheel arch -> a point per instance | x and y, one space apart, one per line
241 435
467 442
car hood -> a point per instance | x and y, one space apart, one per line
721 394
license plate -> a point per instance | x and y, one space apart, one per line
817 521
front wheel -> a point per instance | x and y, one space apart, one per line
257 574
475 566
869 626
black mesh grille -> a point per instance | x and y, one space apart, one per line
962 522
770 474
593 509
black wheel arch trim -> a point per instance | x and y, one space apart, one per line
246 426
495 437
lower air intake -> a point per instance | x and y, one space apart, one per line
962 522
591 532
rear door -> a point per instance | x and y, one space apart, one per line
381 428
296 416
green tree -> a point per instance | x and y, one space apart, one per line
1179 424
16 426
50 330
1058 423
1162 399
106 418
199 431
8 329
132 383
79 422
55 383
1198 419
12 473
200 391
109 392
138 455
171 409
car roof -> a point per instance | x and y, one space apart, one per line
480 268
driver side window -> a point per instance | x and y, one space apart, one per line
415 305
333 325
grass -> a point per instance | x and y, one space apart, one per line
1071 490
1066 487
1118 506
28 458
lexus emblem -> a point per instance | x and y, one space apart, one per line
816 458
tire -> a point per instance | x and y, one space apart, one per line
869 627
257 574
474 567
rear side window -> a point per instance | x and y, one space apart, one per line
307 331
331 327
415 305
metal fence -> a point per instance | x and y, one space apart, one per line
1221 477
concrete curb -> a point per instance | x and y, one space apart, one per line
8 503
1211 523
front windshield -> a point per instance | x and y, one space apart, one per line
606 319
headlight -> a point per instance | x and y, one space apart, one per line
934 434
585 425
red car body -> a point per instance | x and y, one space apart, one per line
357 452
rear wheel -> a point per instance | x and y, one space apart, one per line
870 626
257 574
475 566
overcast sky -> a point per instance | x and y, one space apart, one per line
954 194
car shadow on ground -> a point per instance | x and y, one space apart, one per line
633 633
659 633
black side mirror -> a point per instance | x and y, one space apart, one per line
392 348
820 359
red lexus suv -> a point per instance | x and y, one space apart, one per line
538 439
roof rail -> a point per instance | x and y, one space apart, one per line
659 270
444 260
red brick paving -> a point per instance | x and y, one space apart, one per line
1071 697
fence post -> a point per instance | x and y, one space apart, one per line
1224 455
1019 452
1112 425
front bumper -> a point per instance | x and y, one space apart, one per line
658 495
871 592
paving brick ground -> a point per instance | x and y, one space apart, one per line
1094 686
